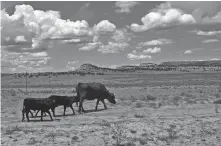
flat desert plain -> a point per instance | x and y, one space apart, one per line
152 109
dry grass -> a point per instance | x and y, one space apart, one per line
136 119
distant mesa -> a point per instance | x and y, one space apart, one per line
147 64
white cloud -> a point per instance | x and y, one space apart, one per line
125 6
39 54
104 26
71 65
113 47
134 55
162 17
156 42
20 39
152 50
210 41
215 59
89 46
188 52
209 33
120 35
30 24
71 41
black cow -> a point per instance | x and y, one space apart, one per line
91 91
66 101
43 104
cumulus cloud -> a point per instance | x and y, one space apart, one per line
25 59
19 39
120 35
39 54
206 33
134 55
176 13
205 12
156 42
162 18
215 59
152 50
71 41
112 47
188 52
104 26
89 46
210 41
125 6
30 24
71 65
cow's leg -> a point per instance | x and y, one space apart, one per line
80 105
64 109
53 111
31 114
23 114
97 104
41 115
104 104
26 112
72 109
37 113
77 104
49 114
216 108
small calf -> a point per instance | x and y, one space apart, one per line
66 101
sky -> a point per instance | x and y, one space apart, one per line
60 36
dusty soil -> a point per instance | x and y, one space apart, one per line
186 115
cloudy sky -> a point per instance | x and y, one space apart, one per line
60 36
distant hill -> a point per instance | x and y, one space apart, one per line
192 63
90 69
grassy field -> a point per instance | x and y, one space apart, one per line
186 115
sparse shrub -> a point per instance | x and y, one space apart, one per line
13 93
51 136
172 132
139 105
11 130
32 141
133 99
118 134
176 100
149 98
74 139
142 141
217 95
139 116
105 123
133 131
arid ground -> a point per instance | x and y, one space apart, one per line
152 109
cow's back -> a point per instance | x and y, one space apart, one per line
60 100
38 103
91 91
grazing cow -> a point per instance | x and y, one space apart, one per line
66 101
91 91
216 102
43 104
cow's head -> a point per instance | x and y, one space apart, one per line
111 98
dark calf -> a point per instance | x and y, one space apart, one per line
66 101
43 104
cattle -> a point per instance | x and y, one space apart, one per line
43 104
66 101
91 91
216 102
